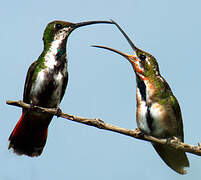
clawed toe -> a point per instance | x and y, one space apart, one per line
59 112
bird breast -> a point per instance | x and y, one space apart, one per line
47 87
151 116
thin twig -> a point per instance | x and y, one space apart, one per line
98 123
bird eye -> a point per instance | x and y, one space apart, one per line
142 57
58 26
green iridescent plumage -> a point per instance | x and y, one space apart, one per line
45 86
158 113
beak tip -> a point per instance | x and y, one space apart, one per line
113 22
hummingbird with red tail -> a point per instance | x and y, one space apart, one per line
45 86
158 111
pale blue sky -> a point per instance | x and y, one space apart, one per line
101 84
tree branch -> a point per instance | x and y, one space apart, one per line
98 123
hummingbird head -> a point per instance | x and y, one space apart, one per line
144 64
60 30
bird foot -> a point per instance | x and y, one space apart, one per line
141 134
32 106
59 112
168 140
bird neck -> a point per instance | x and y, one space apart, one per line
152 89
55 52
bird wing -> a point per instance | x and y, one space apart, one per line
27 86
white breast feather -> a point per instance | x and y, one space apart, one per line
157 114
50 56
50 64
142 118
36 88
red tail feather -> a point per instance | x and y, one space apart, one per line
18 128
29 135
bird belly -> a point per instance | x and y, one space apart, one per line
56 95
158 115
142 118
47 89
151 120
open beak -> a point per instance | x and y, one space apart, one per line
126 36
131 58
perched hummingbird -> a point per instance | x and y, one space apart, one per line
158 112
45 86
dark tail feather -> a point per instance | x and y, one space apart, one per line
175 159
28 138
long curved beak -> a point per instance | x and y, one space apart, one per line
126 36
80 24
131 58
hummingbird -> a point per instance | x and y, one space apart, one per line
158 112
45 86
